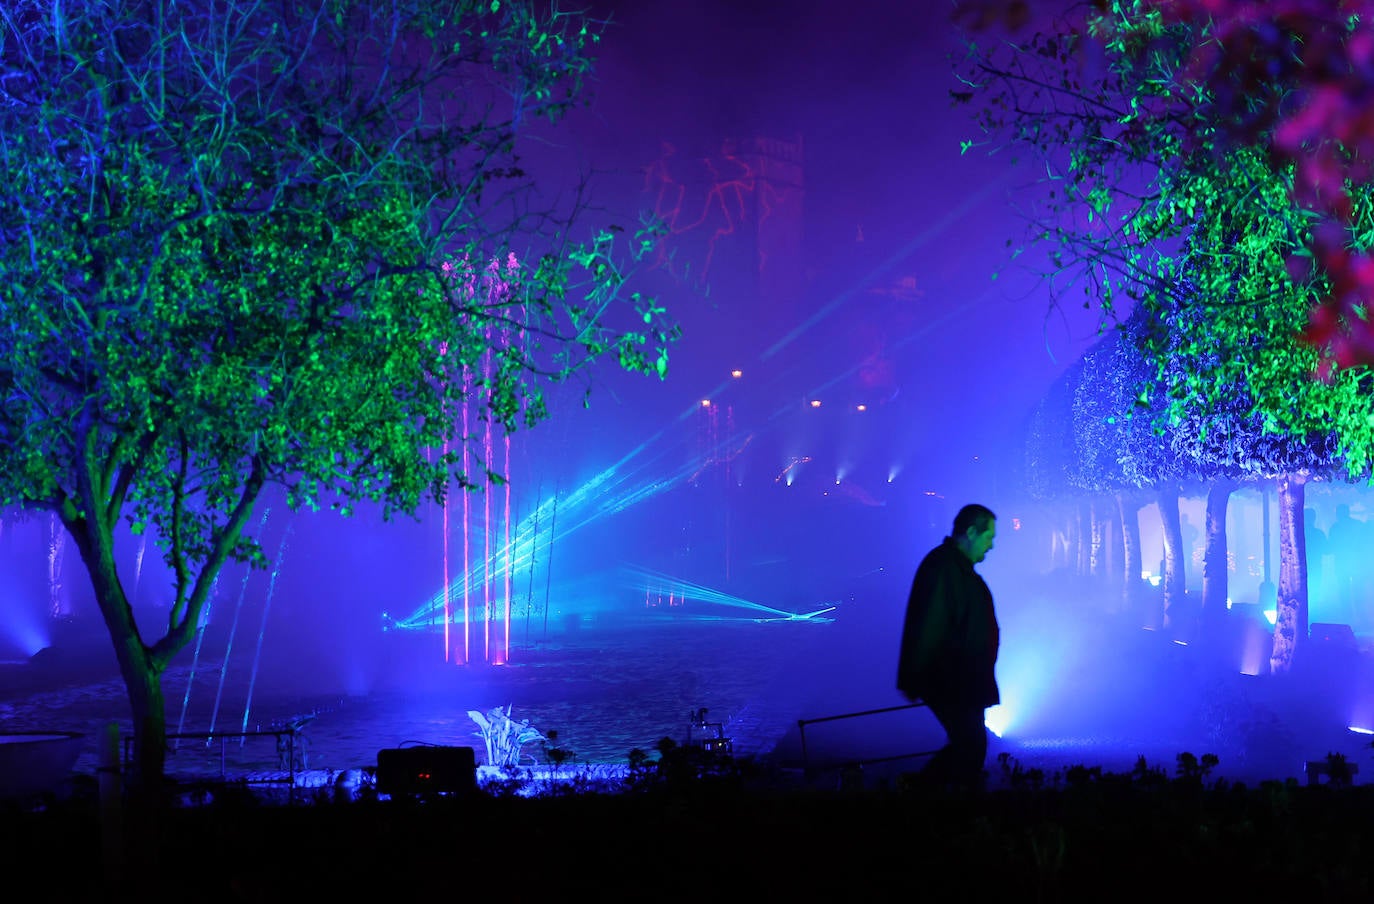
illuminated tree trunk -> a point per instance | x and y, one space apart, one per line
1060 539
1130 551
1290 623
1082 537
1175 575
1112 517
1097 540
141 671
1215 562
57 543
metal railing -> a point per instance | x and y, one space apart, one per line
806 761
285 747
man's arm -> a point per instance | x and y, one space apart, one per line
926 634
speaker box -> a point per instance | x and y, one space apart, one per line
415 771
1333 636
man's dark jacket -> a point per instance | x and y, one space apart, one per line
950 637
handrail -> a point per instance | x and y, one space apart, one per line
802 723
277 733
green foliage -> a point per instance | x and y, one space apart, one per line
227 257
1148 203
292 245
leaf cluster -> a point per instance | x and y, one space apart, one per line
1147 202
285 244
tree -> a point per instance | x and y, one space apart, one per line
1121 447
1148 201
1227 443
1292 77
1289 78
1103 413
1047 462
1152 203
248 245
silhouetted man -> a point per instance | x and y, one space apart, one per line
949 647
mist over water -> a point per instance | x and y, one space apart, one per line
1078 686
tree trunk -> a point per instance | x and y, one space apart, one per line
1130 551
1290 622
57 543
1111 538
1059 538
1082 519
1175 574
1215 564
1068 513
138 666
149 708
1097 540
142 677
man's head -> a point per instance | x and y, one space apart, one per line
975 528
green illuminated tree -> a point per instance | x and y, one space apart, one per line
1227 443
283 245
1118 451
1288 78
1150 202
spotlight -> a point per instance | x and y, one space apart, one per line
815 403
997 719
705 403
736 373
862 407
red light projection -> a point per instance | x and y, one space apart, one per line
749 192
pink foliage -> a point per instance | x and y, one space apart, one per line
496 283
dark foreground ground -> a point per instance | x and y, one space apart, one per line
1066 816
729 832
